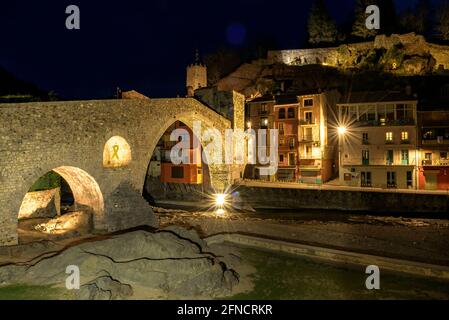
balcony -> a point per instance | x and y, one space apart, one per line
366 185
306 122
365 142
308 156
389 142
438 141
308 138
401 122
405 141
440 162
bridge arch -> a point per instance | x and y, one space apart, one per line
85 189
208 120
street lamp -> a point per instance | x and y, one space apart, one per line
341 132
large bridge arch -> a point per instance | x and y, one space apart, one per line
36 138
218 172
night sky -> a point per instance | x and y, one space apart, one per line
141 45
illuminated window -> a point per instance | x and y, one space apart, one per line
404 135
389 137
116 153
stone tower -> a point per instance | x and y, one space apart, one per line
196 75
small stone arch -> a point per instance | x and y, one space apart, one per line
86 191
116 153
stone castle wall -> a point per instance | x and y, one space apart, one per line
347 55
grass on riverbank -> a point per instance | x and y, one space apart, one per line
27 292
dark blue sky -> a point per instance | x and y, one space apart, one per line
144 45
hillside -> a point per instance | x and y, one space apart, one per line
15 90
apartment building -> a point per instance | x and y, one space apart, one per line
286 121
378 145
433 144
260 115
316 149
303 120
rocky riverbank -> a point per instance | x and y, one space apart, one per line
170 263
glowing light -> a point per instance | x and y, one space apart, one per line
220 199
220 212
342 130
249 124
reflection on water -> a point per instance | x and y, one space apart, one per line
281 276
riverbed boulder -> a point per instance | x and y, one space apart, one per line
138 264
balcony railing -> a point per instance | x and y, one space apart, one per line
308 156
435 141
306 122
307 137
440 162
402 122
365 184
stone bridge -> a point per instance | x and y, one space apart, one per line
79 140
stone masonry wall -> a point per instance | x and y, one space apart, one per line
36 138
347 55
347 200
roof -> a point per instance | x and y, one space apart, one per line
264 98
433 105
286 99
376 96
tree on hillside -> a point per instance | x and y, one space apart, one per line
423 19
359 28
322 28
442 21
418 19
388 17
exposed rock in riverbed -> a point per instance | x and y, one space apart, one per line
171 263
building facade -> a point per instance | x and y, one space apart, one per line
317 152
260 115
378 145
433 144
303 121
286 121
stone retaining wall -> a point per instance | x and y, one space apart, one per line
289 198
